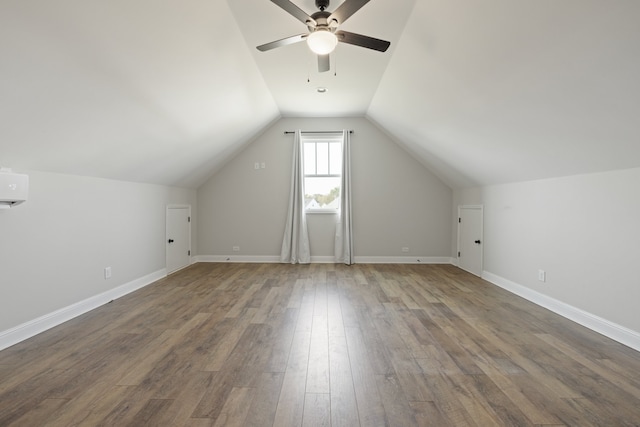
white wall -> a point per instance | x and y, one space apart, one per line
396 201
582 230
54 247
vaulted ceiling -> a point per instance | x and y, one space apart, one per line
166 92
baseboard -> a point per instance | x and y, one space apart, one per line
327 259
34 327
323 260
267 259
609 329
403 260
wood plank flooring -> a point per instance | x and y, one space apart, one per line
319 345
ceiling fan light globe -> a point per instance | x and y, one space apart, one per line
322 42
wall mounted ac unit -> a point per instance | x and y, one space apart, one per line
14 188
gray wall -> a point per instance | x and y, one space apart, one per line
582 230
54 247
396 201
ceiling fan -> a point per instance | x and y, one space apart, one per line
323 35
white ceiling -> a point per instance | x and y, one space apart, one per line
501 91
139 90
166 92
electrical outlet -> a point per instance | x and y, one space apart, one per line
263 165
405 249
542 275
107 273
236 249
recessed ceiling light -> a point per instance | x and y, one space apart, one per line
322 90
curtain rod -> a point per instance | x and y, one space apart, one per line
286 132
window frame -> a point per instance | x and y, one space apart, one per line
315 138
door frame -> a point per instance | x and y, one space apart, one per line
166 234
481 209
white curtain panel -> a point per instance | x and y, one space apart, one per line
295 243
344 240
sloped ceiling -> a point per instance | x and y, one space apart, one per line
166 92
137 90
501 91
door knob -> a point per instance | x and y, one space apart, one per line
170 240
477 242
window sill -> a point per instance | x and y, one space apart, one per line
322 212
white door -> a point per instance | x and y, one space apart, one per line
470 239
178 239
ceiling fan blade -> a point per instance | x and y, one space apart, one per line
323 63
282 42
345 10
363 41
294 10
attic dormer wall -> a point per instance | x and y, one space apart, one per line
582 230
54 247
397 202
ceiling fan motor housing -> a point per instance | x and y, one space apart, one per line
321 21
322 4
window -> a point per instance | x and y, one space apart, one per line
322 171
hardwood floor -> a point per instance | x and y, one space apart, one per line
320 345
